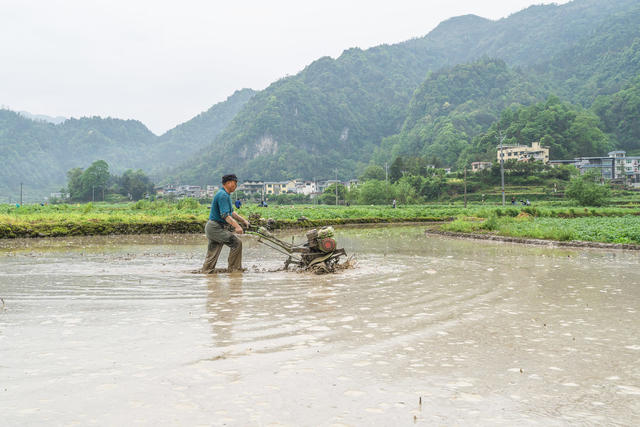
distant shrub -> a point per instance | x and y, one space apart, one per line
587 192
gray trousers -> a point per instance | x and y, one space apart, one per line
218 236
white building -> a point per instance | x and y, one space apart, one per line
478 166
306 187
522 153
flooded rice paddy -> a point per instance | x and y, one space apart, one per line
425 330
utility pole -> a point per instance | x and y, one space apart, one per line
93 193
336 187
386 178
501 164
20 194
465 187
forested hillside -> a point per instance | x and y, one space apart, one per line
440 96
187 138
453 105
39 154
620 115
336 113
568 130
331 115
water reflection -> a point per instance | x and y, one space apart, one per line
223 291
446 331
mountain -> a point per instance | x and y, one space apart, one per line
457 104
38 154
429 96
620 116
330 115
602 62
335 113
454 104
42 117
185 139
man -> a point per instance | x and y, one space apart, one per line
222 219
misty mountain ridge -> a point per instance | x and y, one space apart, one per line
356 101
38 153
42 117
370 105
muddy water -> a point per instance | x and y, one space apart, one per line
425 330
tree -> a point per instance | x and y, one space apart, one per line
328 197
373 192
404 192
396 170
373 172
134 184
74 183
587 191
95 178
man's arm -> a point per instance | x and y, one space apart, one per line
240 218
232 222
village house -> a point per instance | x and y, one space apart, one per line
478 166
522 153
305 187
211 190
615 166
279 187
251 188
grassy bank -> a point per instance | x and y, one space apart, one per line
188 216
605 229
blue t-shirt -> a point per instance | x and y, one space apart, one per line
221 206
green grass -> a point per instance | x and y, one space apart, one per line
188 216
621 229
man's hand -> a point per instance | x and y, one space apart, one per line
238 229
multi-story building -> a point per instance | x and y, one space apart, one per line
522 153
305 187
279 187
352 183
478 166
179 191
616 165
252 187
323 185
212 190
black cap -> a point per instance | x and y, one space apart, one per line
230 177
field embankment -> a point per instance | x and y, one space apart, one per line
552 221
190 217
596 227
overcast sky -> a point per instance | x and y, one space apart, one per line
163 62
